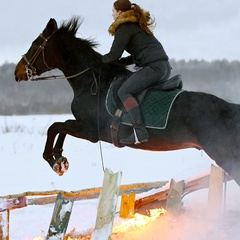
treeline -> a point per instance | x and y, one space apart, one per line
221 78
41 97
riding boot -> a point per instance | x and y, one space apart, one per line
140 133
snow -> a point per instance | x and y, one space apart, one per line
23 169
67 207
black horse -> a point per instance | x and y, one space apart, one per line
197 120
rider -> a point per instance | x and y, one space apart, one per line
131 31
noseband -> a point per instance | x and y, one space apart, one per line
31 71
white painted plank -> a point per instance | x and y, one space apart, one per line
215 194
107 205
4 225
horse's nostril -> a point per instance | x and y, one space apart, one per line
17 77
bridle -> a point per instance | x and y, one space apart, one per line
31 71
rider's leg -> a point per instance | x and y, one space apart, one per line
140 133
139 81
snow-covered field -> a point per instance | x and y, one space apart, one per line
23 169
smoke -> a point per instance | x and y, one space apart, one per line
193 222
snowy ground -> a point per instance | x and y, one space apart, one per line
23 169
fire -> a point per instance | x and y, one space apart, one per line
68 238
138 220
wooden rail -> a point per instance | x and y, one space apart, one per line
191 185
82 194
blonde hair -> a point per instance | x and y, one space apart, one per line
144 19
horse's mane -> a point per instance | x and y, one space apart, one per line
68 31
71 27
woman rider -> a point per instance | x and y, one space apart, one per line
131 31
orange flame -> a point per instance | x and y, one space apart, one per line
68 238
138 221
135 223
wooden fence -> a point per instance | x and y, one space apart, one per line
169 195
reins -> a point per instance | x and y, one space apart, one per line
63 77
60 76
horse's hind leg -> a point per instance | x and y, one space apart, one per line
226 156
232 166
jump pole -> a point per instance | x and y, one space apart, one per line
5 206
215 193
174 197
4 225
127 207
107 205
60 218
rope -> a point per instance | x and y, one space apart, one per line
98 115
101 155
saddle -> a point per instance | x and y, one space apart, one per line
116 109
171 84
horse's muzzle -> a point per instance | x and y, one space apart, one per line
20 73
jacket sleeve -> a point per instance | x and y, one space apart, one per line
127 60
119 44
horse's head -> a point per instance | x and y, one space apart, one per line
58 47
36 61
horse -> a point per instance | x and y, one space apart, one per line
197 120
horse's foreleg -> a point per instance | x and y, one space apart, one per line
58 147
61 164
53 155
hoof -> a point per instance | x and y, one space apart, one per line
61 166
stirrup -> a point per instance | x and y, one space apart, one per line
133 139
136 138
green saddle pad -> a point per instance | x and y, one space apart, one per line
155 108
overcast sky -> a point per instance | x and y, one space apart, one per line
188 29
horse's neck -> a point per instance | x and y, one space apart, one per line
92 74
90 83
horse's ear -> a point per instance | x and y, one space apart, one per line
51 27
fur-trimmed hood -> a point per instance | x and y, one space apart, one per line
128 16
143 48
